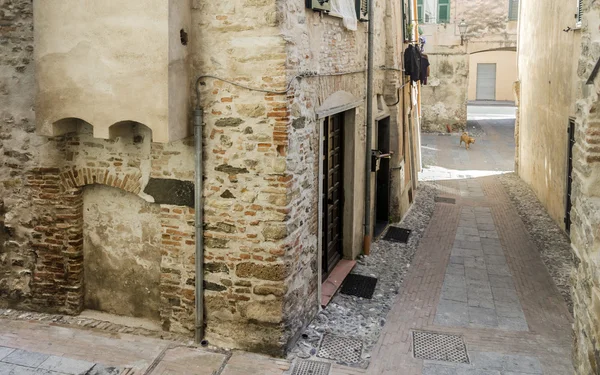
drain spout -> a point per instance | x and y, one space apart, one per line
370 75
199 234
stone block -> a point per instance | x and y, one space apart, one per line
263 311
171 192
271 272
275 232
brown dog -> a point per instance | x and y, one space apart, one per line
466 139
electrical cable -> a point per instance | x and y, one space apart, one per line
399 88
269 91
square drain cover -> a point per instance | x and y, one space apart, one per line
439 347
341 349
360 286
445 200
397 235
308 367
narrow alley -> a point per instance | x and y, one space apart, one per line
300 187
476 299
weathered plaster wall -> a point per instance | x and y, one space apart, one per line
585 230
548 92
121 253
128 57
506 72
444 99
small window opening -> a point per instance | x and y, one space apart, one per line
184 37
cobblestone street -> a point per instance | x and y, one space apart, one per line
477 277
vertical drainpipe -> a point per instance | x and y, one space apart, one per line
370 71
419 109
198 205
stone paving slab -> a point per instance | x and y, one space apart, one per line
35 348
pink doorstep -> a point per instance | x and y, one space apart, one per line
335 280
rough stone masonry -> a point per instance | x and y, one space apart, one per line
261 162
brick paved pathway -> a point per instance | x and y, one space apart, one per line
477 274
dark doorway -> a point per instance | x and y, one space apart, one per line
333 191
571 144
382 190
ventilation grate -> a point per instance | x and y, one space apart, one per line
359 286
445 200
341 349
439 347
397 235
308 367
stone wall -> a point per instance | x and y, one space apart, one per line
585 232
547 99
261 172
444 98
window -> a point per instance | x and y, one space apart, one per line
513 10
443 11
420 10
579 14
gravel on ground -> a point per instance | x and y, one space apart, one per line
552 242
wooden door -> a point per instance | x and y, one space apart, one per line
333 191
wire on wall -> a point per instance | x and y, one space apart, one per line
274 91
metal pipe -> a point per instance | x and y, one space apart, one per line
370 71
198 205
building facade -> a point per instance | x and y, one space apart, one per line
557 143
479 65
97 206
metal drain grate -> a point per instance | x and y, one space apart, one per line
360 286
307 367
445 200
439 347
397 234
341 349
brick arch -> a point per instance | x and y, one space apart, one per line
79 177
57 195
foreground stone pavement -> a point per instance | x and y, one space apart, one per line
39 348
476 275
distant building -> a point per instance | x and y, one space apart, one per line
479 65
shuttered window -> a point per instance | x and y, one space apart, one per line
420 10
579 12
443 11
513 10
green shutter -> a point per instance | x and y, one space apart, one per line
443 11
513 10
579 12
420 10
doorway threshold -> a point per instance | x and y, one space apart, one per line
335 279
380 227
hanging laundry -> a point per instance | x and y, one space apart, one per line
412 63
424 69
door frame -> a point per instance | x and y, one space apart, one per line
353 211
